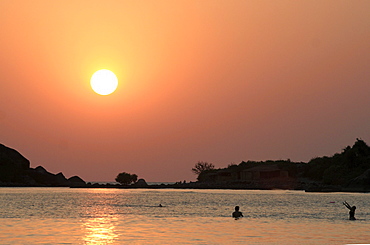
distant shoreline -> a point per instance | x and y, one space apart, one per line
187 187
343 172
204 186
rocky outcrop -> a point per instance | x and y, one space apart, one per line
15 171
140 183
76 181
12 163
43 177
11 156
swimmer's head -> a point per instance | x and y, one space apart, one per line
236 208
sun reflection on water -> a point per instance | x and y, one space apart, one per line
100 224
100 230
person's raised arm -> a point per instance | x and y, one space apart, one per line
345 203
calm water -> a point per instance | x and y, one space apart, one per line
119 216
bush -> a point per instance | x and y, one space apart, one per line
126 178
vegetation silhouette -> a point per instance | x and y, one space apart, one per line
287 165
201 167
342 168
346 171
126 178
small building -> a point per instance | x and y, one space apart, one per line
223 175
263 172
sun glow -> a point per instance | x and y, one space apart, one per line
104 82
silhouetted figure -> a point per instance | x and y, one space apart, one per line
237 214
351 210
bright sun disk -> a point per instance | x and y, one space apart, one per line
104 82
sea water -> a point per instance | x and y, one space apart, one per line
134 216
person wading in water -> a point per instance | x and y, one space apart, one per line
351 210
237 214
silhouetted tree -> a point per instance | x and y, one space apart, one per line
232 165
200 167
126 178
341 168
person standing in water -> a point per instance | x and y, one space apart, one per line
237 214
351 210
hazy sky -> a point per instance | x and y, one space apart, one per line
208 80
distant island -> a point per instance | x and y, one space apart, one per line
348 171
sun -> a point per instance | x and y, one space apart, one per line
104 82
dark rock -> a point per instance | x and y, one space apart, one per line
76 181
60 179
140 183
15 171
41 170
12 164
10 155
43 177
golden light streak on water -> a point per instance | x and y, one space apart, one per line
100 230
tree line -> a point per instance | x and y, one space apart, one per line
338 169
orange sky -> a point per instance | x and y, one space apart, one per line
208 80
